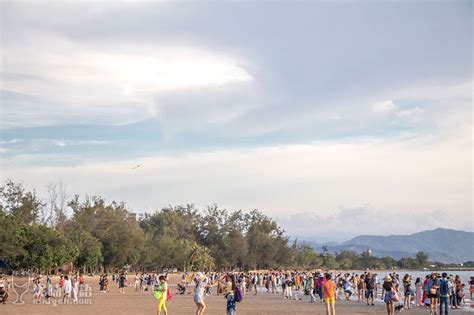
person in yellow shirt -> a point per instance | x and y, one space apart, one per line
160 293
329 288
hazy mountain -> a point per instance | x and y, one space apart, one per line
442 245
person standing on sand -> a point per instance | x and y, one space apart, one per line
361 288
457 288
407 291
160 293
329 292
471 287
67 290
432 288
199 292
74 289
230 287
419 292
370 285
121 282
444 294
312 288
319 287
389 293
425 289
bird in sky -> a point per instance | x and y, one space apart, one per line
135 167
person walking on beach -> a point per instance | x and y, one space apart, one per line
425 297
121 282
288 285
389 294
370 285
199 292
407 289
419 292
329 292
230 287
81 282
319 286
161 294
471 287
74 289
37 291
457 283
360 288
432 288
444 294
67 290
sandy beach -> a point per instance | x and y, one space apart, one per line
143 303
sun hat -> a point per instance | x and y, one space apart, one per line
387 278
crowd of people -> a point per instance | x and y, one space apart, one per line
436 292
67 288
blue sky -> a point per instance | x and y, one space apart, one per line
317 113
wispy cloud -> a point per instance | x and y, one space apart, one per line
383 107
409 112
12 141
401 176
64 143
80 81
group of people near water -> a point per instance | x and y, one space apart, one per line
437 292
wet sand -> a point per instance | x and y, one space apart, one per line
143 303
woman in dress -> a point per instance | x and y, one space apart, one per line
419 292
74 289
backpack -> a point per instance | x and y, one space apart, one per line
444 288
238 294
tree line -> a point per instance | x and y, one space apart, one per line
94 235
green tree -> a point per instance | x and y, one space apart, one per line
421 259
307 257
16 201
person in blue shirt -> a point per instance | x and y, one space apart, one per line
444 294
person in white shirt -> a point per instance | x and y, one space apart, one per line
66 290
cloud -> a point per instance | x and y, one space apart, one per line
12 141
79 81
65 143
383 107
346 223
398 177
409 112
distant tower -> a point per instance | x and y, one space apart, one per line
369 252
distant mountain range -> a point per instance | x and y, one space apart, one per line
441 245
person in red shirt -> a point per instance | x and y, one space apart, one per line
329 288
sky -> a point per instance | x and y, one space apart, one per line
334 118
